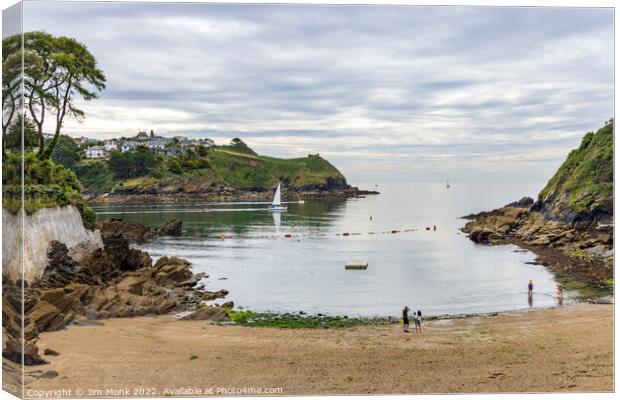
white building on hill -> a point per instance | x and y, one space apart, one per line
96 152
110 145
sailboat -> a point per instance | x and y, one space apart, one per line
276 204
448 184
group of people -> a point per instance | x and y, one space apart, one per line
417 320
417 315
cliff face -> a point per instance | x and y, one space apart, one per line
581 191
63 224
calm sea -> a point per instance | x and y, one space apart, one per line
437 271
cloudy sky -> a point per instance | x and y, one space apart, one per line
385 93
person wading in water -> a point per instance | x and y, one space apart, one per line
406 319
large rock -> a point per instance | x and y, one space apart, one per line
172 227
481 235
115 258
208 313
137 233
133 232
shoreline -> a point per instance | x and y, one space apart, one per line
321 320
474 354
222 196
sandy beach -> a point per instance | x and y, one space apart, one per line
567 348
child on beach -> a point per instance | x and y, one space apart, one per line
559 293
406 319
418 321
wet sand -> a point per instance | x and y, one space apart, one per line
567 348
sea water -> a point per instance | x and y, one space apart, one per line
409 235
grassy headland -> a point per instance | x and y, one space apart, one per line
583 186
202 169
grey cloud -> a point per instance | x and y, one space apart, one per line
452 86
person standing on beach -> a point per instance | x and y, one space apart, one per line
559 293
418 321
530 288
406 319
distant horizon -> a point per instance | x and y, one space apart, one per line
385 93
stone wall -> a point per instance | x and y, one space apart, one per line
63 224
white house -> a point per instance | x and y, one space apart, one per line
96 152
110 145
129 145
157 143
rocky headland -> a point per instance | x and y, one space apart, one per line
570 226
137 233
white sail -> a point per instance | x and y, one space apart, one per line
276 199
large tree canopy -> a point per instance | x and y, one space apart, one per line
58 70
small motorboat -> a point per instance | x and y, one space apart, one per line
276 204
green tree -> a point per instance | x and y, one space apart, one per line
132 163
12 79
56 72
13 138
67 152
39 83
75 75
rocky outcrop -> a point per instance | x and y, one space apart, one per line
137 233
115 281
582 251
36 233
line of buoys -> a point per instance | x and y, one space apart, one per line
290 235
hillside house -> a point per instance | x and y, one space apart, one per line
129 145
96 152
157 143
170 151
110 145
